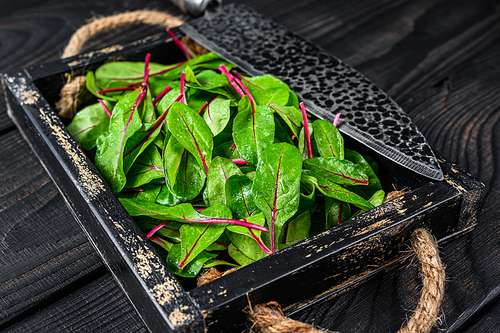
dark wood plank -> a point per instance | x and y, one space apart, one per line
99 306
43 248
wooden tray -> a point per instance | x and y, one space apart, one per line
296 277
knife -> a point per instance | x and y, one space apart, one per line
324 83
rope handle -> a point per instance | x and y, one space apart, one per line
268 317
74 86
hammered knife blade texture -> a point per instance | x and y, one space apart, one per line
324 83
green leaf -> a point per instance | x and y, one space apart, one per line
336 191
374 183
147 192
217 115
192 132
297 229
182 172
336 170
124 122
166 197
92 86
377 198
190 270
238 256
87 119
239 195
329 141
253 132
218 173
291 115
147 167
219 262
336 212
276 188
195 238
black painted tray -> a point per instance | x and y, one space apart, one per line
296 277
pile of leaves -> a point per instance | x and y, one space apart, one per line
215 167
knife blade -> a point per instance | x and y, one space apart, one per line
324 83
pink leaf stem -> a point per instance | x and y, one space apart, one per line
200 209
241 77
260 243
181 45
336 120
230 77
243 222
155 229
203 107
306 129
105 108
183 92
155 126
116 90
157 240
160 95
239 161
146 77
247 92
146 62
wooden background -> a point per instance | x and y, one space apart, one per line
439 59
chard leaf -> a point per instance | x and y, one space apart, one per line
195 238
87 119
124 122
281 131
374 183
193 268
167 100
183 174
92 86
331 189
217 262
125 72
166 197
336 212
247 240
238 256
336 170
147 192
89 139
303 140
276 188
329 141
377 198
239 195
217 115
297 229
218 173
271 96
184 213
291 115
253 131
147 167
192 132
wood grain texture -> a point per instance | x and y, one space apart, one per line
98 306
43 248
439 59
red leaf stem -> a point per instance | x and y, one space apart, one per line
116 89
336 120
105 108
155 229
230 77
146 64
155 126
247 92
183 92
306 129
157 240
160 95
239 161
260 243
181 45
243 222
203 107
241 77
